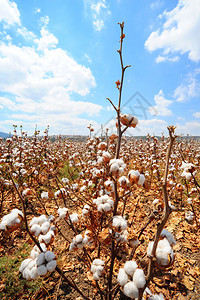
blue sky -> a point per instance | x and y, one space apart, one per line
59 63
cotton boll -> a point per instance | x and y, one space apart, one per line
149 249
51 265
130 267
2 226
96 276
114 168
24 264
49 255
157 297
42 270
40 259
36 229
106 207
98 262
93 268
34 254
139 278
45 227
100 207
26 274
169 236
33 221
47 238
78 239
74 217
122 277
62 212
141 180
99 270
72 247
130 290
33 273
31 264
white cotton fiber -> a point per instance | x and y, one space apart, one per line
122 277
42 270
98 262
51 265
150 248
34 254
130 290
45 227
139 278
24 264
42 245
106 207
157 297
130 267
99 270
74 217
49 255
33 221
96 276
26 274
141 180
34 273
40 259
36 229
169 236
31 264
78 239
42 219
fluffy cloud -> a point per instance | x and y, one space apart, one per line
9 12
180 31
38 82
189 88
99 10
191 128
197 114
161 107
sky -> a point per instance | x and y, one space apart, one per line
59 63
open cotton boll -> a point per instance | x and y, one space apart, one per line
62 212
122 277
42 270
26 274
36 229
99 270
130 290
47 238
45 227
169 236
114 168
141 180
189 215
106 207
78 239
51 265
24 264
119 222
49 255
40 260
72 247
157 297
74 217
139 278
130 267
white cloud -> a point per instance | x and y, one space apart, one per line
191 128
47 40
9 12
39 82
180 31
99 11
98 24
189 88
161 58
197 114
161 107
